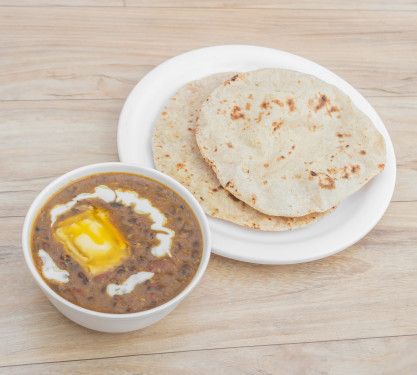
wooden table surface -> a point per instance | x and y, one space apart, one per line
66 67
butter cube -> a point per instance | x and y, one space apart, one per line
91 240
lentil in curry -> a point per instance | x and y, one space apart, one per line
129 243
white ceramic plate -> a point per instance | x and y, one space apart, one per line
352 220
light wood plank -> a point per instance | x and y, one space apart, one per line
235 4
282 4
398 115
382 356
102 53
62 3
367 290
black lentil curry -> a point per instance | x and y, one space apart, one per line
171 274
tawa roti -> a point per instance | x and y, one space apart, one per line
176 153
287 143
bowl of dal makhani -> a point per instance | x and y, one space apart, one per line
116 247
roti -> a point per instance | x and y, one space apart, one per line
287 143
176 153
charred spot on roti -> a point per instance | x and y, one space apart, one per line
322 100
234 78
313 173
381 166
281 157
276 125
332 170
250 97
342 135
259 118
355 169
326 182
236 113
215 148
253 198
231 196
180 166
247 107
216 189
278 102
265 104
255 226
167 156
292 147
230 184
312 128
229 144
291 104
362 152
265 182
266 165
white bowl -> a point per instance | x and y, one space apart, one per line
103 321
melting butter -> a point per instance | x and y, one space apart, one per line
91 239
127 198
103 192
129 284
50 270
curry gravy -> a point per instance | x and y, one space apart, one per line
120 273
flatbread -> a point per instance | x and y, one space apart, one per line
176 153
287 143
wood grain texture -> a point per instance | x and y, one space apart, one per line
62 3
281 4
236 4
340 357
97 53
65 71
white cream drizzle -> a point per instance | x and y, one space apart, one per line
129 284
127 198
50 270
102 192
143 206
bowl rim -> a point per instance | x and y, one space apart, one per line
116 167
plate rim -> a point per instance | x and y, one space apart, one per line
124 157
